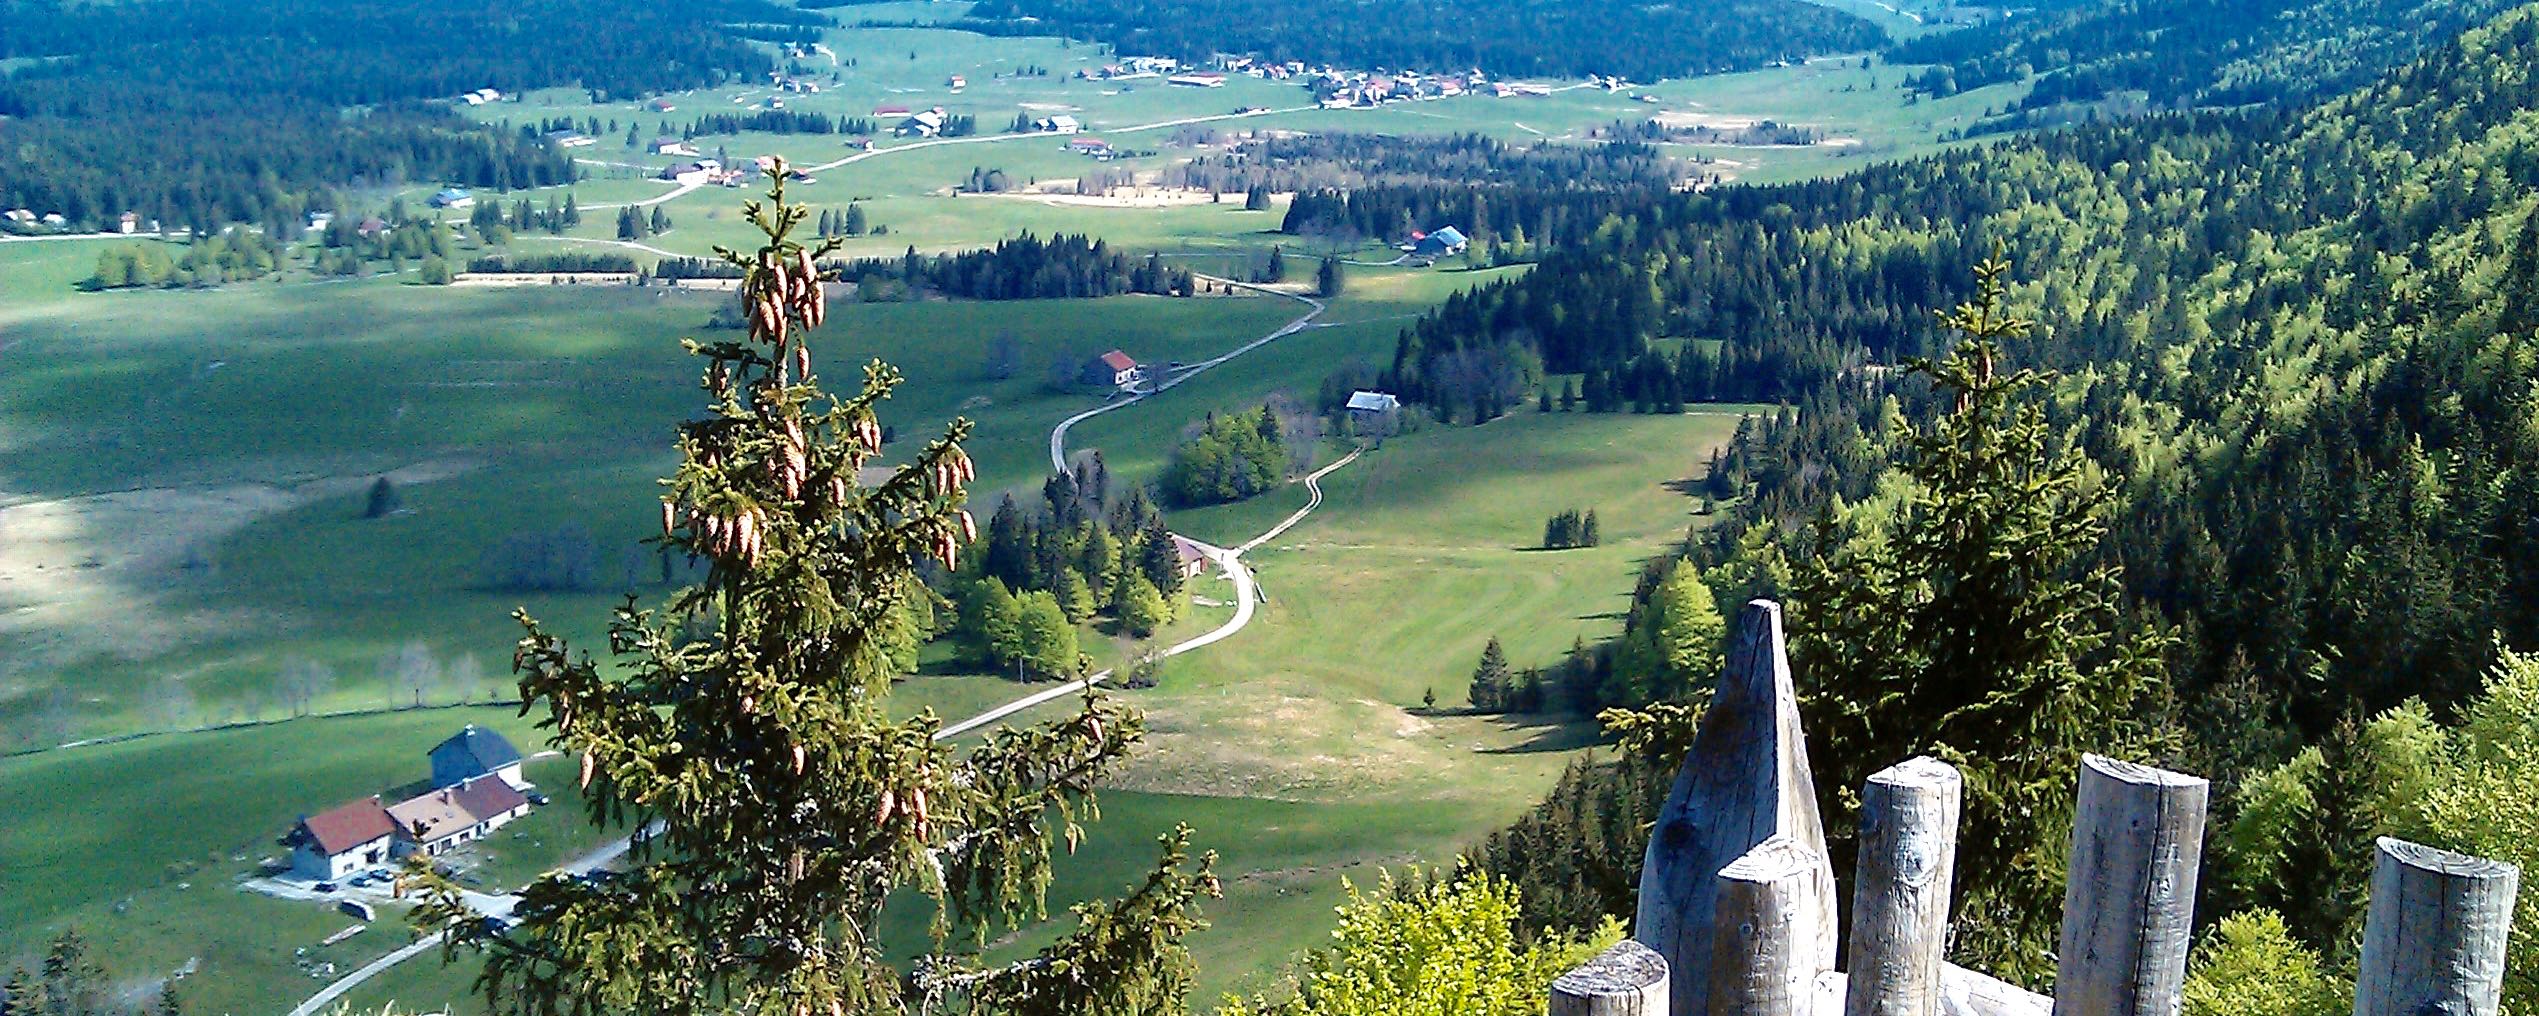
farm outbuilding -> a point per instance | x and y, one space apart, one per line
473 752
437 821
1118 367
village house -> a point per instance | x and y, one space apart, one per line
672 146
371 226
1095 147
688 173
453 197
660 106
1373 402
433 823
55 219
1116 367
926 124
956 82
1445 241
21 216
128 223
1060 123
472 752
1188 557
341 840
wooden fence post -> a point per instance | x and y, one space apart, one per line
2137 840
1765 953
1899 908
1626 980
2434 939
1745 781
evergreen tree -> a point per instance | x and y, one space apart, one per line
1965 630
1331 279
2521 281
1257 199
383 500
24 995
660 220
1491 680
572 211
1075 596
74 985
855 224
1140 605
750 724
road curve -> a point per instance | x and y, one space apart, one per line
1058 435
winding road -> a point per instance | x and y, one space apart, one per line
1247 598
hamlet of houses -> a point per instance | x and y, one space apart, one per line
476 788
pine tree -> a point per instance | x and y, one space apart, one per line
855 224
1964 629
1331 279
750 723
660 220
1491 680
2521 281
572 212
383 500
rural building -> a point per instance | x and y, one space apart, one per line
1188 557
1114 367
453 197
472 752
570 139
1095 147
441 819
890 111
370 227
926 124
1058 124
130 222
1445 242
321 220
55 219
1198 80
1373 402
688 172
19 215
672 146
660 106
956 82
341 840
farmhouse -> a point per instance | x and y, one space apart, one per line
688 173
445 818
341 840
1373 403
660 106
1095 147
474 752
672 146
1188 557
1058 124
925 125
371 226
130 222
19 215
1445 242
1116 367
571 139
1207 80
956 82
453 197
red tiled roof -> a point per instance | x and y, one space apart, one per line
342 828
1117 360
488 798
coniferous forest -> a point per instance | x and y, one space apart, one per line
2292 350
255 128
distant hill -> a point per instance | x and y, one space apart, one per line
1567 38
2171 54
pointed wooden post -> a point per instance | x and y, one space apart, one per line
1745 781
1765 950
1899 902
1626 980
2434 939
2137 840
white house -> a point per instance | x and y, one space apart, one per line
1059 124
472 752
445 818
672 146
926 124
1188 556
342 840
1373 402
1119 366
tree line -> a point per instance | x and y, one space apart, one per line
269 120
1503 37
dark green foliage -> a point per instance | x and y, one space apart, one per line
2520 287
1026 267
244 136
1576 855
1571 529
558 261
2189 52
1969 629
1330 279
1492 681
1504 37
1230 458
748 718
383 500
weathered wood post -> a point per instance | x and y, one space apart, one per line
1626 980
1899 902
2434 939
1766 953
1745 780
2137 841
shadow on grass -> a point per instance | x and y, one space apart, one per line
1546 732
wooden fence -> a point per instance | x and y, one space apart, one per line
1737 912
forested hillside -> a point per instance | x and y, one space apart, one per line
2299 348
255 108
1571 38
2184 53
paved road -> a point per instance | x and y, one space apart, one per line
1058 436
